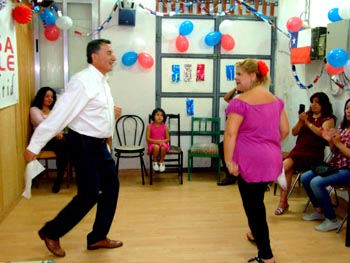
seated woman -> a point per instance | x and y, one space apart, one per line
310 146
316 186
42 105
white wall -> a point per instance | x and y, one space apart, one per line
134 88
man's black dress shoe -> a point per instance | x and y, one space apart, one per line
228 180
52 245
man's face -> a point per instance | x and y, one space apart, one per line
104 59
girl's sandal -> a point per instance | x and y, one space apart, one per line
283 207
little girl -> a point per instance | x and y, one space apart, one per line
157 137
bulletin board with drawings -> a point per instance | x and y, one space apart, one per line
201 73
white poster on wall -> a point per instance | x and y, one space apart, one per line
8 57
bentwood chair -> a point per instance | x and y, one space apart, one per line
205 139
174 158
130 130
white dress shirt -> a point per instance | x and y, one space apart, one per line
86 107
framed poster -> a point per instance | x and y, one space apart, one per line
8 58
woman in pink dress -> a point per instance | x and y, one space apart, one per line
256 124
157 137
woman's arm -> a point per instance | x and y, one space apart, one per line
233 124
341 146
36 116
328 124
284 125
229 95
301 120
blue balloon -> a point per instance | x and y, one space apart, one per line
333 15
186 28
48 17
337 57
129 58
213 38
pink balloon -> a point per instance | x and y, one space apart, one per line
334 71
52 33
227 42
294 24
145 60
182 43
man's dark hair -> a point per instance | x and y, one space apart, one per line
94 46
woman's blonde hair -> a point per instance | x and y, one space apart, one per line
258 67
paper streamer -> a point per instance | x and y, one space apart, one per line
230 72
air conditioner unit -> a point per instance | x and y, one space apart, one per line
127 13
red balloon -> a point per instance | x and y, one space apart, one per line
52 33
227 42
334 71
294 24
182 43
22 14
145 60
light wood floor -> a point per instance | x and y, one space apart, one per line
197 222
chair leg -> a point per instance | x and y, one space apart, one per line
297 179
342 223
219 170
181 169
143 169
189 167
275 189
150 169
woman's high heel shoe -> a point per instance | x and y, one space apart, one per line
282 208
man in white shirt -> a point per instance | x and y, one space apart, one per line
87 109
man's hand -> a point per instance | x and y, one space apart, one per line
117 112
29 156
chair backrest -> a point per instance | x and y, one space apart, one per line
130 129
205 126
173 123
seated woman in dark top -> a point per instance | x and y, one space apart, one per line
310 146
42 105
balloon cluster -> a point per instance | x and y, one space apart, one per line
170 32
337 59
52 22
222 36
138 55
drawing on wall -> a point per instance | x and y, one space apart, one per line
188 72
189 107
175 73
230 72
200 72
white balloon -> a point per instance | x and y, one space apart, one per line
347 69
170 32
344 12
226 27
64 22
138 45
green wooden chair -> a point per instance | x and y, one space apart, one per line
205 139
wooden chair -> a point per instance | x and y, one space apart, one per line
174 158
202 127
130 130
